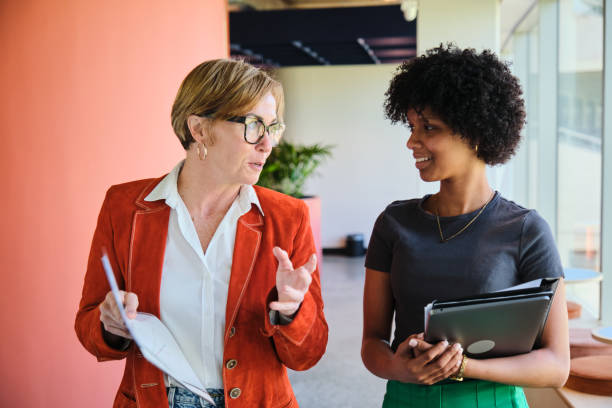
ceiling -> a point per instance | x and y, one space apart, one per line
315 32
301 4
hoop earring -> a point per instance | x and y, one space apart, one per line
203 152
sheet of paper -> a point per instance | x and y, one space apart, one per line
156 343
531 284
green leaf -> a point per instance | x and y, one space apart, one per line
289 165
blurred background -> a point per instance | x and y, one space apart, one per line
87 90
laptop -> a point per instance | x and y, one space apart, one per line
493 324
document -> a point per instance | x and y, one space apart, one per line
156 343
501 323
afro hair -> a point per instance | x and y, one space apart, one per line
475 94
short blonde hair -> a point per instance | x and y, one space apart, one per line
221 88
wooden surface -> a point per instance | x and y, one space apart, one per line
576 399
591 374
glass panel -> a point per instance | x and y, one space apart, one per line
533 112
579 141
521 50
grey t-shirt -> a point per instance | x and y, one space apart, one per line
505 246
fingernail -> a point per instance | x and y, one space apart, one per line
457 346
445 342
412 343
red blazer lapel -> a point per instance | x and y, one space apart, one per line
246 248
146 252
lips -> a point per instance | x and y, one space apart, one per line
422 162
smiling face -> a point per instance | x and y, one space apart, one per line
230 157
439 153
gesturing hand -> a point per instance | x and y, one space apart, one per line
291 284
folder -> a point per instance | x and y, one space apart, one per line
496 324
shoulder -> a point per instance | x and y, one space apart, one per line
278 203
508 213
527 221
127 196
401 209
402 205
399 215
510 207
530 218
134 188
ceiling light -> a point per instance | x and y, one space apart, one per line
410 8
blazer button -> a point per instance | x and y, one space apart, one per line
235 393
232 331
231 364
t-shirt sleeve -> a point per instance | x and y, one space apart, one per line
539 257
380 248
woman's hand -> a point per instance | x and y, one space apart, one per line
291 284
110 316
423 345
432 363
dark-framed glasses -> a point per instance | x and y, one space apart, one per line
255 129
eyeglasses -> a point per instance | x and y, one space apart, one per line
255 129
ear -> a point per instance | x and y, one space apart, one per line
196 127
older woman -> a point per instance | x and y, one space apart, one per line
465 111
228 267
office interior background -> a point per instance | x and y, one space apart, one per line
87 89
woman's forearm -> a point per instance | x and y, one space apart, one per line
539 368
377 356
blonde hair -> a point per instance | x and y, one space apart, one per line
221 88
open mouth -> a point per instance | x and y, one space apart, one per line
258 165
422 159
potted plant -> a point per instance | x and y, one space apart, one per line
286 171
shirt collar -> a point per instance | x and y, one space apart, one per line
167 189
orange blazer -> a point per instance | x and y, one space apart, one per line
134 232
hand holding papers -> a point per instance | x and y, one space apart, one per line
156 342
493 324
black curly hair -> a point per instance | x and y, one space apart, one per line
475 94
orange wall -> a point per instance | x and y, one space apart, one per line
86 90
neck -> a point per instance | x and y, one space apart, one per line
462 195
201 190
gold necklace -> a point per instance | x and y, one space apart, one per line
443 240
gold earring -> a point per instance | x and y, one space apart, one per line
476 149
203 152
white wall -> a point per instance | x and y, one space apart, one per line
468 23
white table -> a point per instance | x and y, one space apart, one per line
603 334
577 275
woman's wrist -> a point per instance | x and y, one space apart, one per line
459 374
114 341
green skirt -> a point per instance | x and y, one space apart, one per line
469 393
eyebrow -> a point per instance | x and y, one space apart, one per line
262 119
432 117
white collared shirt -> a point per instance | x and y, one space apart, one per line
194 284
